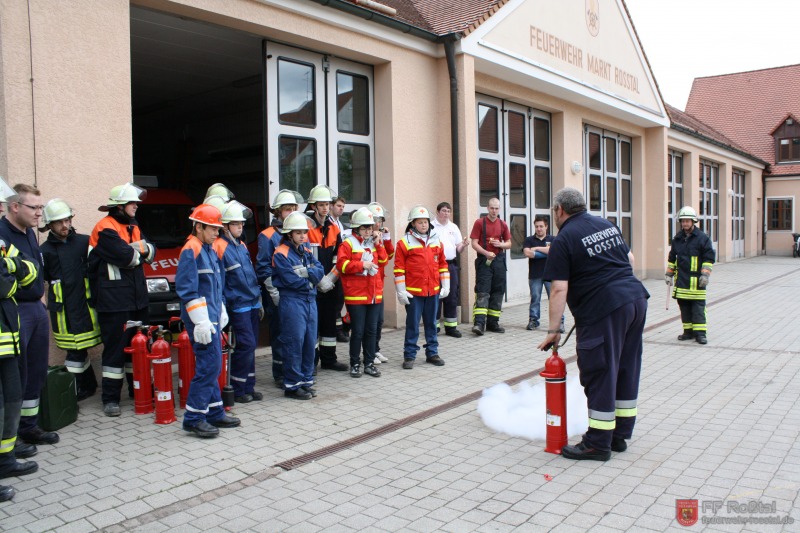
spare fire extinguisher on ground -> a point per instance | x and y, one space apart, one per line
142 388
228 346
162 377
185 363
555 375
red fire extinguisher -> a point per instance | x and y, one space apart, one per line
228 346
185 363
223 374
142 389
162 376
555 375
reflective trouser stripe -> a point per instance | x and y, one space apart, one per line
129 367
450 322
479 311
327 341
7 445
192 409
240 380
602 419
113 372
626 412
76 367
494 312
30 407
687 325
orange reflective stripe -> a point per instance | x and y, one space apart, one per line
200 304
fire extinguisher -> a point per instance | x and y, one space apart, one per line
185 363
228 346
142 389
162 376
555 375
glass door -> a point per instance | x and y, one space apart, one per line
607 160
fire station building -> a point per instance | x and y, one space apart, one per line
399 102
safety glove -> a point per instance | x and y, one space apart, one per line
260 309
223 317
403 296
669 276
198 314
146 250
702 281
328 281
301 271
445 290
272 291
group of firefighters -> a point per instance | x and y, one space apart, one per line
309 268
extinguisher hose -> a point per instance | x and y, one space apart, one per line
555 348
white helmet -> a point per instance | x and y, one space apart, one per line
123 194
221 190
377 210
296 220
419 211
234 211
216 200
687 212
321 193
362 217
56 209
286 197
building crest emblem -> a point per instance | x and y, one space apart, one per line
593 16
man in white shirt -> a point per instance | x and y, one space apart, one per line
453 243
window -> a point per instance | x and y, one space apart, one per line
674 192
789 149
779 214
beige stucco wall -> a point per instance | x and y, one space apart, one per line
780 242
693 153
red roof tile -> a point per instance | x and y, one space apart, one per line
687 122
443 16
747 106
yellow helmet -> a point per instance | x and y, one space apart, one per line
56 209
295 220
419 211
362 217
123 194
321 193
286 197
220 190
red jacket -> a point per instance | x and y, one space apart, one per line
420 264
359 287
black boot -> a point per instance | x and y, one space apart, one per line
85 384
452 331
701 338
687 335
479 328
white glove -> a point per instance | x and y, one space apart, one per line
260 309
668 278
445 290
198 314
301 271
223 317
272 291
373 271
325 284
146 250
387 236
403 296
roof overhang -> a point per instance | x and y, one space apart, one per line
556 48
709 145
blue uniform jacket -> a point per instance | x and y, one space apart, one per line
200 274
268 240
242 291
25 243
284 276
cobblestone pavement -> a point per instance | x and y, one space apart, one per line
408 452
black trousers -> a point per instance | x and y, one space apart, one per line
116 363
448 308
490 286
693 315
328 308
34 336
10 405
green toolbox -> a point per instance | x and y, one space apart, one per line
59 404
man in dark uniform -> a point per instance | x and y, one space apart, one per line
15 272
16 229
691 259
589 266
73 320
118 286
490 238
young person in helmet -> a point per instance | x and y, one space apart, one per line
118 251
284 204
199 282
381 233
421 277
296 273
324 240
15 272
243 299
359 260
689 265
72 317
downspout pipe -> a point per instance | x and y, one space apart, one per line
449 42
